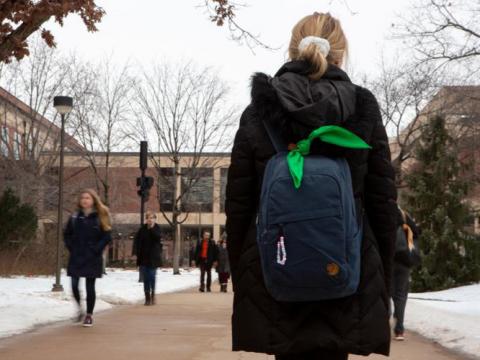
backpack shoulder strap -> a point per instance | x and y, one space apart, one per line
275 137
74 217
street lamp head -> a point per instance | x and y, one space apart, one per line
63 104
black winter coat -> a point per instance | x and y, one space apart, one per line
85 240
148 246
223 261
212 252
356 324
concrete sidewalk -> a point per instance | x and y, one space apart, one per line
181 326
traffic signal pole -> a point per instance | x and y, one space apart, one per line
143 167
142 200
144 183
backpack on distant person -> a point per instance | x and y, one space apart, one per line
308 232
407 251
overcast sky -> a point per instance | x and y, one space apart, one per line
144 31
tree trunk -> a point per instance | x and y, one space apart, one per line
175 224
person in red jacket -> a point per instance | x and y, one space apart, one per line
206 257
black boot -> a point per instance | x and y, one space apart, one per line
152 298
148 299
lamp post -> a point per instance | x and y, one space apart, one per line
63 105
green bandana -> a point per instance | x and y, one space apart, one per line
331 134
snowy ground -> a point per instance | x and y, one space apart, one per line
26 302
450 317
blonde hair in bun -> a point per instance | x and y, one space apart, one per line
324 26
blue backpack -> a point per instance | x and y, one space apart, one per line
307 229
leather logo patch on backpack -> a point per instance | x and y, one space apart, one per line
333 269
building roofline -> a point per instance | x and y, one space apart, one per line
34 115
134 153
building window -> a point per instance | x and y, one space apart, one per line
166 182
4 141
223 188
197 184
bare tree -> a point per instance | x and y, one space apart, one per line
403 91
444 31
21 19
34 80
100 114
183 111
224 13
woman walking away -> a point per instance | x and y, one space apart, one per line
223 267
86 235
407 255
149 254
311 237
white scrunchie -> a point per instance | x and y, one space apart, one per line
322 44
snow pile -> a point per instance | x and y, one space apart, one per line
26 302
450 317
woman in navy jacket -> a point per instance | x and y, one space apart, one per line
86 236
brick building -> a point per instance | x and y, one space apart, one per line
202 208
460 106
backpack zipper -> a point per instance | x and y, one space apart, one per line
281 251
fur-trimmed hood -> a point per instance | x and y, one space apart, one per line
307 104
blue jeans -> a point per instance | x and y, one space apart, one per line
149 277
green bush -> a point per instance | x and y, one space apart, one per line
18 222
436 193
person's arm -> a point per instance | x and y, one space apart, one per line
68 234
216 252
105 239
157 234
158 237
413 226
196 254
380 189
240 204
135 243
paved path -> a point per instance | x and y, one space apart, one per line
181 326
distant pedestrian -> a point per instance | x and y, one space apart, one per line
223 267
149 254
206 257
86 235
407 255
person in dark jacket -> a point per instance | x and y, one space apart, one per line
148 249
298 99
206 257
86 236
223 267
401 274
